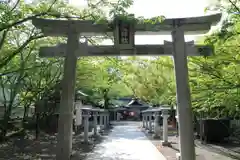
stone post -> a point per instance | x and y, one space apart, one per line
177 124
86 125
157 128
118 116
143 120
114 115
165 127
95 116
146 122
105 120
150 123
101 121
78 106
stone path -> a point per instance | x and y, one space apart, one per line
125 142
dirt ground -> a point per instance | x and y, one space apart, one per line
27 148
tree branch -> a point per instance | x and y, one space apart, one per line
27 18
9 58
3 38
29 68
234 5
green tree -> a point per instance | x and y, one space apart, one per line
20 41
215 79
100 76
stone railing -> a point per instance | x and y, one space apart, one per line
147 121
82 118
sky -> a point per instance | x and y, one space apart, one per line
168 8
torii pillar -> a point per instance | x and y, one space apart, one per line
64 137
187 147
67 99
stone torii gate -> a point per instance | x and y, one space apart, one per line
124 46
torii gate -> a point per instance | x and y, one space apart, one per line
124 46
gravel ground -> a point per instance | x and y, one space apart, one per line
125 142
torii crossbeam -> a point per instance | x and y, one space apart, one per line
90 28
140 50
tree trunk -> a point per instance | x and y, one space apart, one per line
25 114
7 114
37 114
5 124
106 99
37 129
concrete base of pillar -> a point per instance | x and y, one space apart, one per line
104 129
95 135
86 142
178 156
101 131
164 143
101 128
150 132
156 136
75 155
